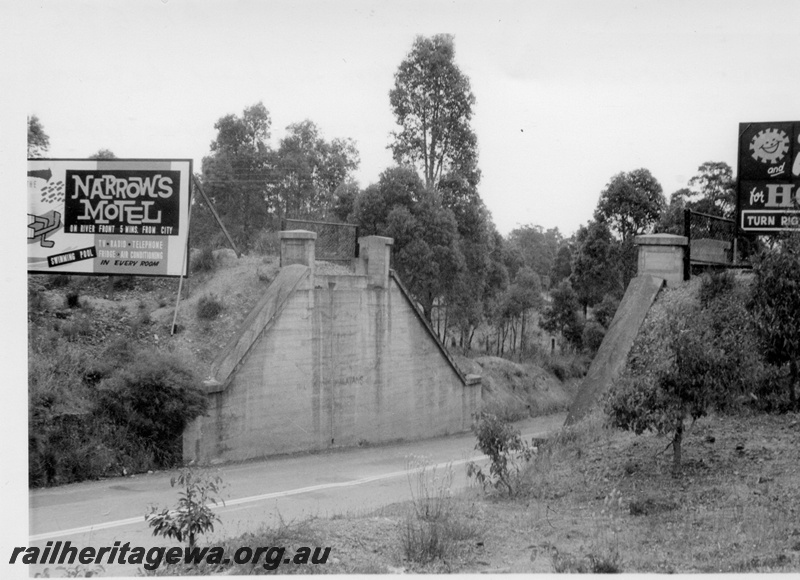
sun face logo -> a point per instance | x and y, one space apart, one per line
769 145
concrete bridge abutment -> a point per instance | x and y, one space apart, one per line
330 361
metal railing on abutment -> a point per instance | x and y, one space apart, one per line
335 242
714 242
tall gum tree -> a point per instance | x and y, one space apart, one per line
631 204
432 102
38 141
237 175
309 170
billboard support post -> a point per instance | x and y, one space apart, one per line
216 217
180 282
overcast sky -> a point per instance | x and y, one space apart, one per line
568 93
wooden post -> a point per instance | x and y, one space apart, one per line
186 265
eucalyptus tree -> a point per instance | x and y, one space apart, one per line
103 154
237 176
432 102
309 170
38 140
631 204
426 252
594 271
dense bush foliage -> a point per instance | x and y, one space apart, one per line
775 304
592 336
562 315
690 359
92 416
604 312
153 398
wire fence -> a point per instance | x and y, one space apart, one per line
335 242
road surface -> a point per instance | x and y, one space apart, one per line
258 493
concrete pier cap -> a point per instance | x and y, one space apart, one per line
374 258
298 247
662 256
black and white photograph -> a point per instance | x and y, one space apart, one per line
401 287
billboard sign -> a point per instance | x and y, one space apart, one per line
108 217
769 177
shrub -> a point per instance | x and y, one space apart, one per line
203 261
432 528
690 360
506 449
424 529
154 398
73 300
604 312
775 304
59 410
208 307
192 516
120 410
592 337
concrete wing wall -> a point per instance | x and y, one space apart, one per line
609 362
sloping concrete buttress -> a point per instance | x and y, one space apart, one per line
612 356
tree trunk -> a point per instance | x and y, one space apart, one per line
676 446
513 337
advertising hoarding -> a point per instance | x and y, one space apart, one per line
768 177
108 217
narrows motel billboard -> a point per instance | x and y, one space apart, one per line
769 177
109 217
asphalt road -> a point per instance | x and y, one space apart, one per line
258 493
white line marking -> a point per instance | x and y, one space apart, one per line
251 499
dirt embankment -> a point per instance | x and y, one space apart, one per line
518 390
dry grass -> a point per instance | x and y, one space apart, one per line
734 508
602 501
434 526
